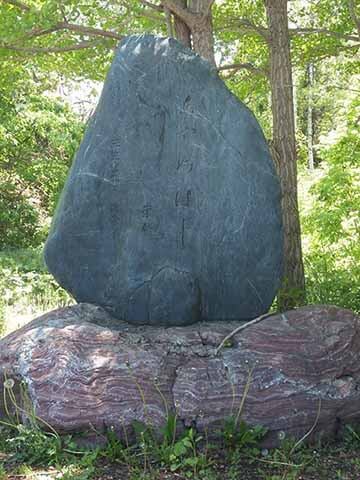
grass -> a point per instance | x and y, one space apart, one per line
26 288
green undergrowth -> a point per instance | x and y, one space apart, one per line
26 287
330 211
26 450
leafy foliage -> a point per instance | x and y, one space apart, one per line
45 449
172 451
19 220
238 435
338 195
333 260
38 138
26 287
352 436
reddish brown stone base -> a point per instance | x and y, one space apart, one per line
84 370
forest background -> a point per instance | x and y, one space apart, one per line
54 56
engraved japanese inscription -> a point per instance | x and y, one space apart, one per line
171 211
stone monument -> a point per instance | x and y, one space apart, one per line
171 211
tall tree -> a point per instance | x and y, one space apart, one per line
310 123
284 145
181 29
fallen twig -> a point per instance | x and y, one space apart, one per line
242 327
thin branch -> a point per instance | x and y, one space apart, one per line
37 32
350 47
245 24
339 49
242 327
62 10
309 432
158 8
90 30
311 31
39 50
354 16
346 89
246 66
17 4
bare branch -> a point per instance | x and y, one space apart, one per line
311 31
62 10
17 4
342 48
90 30
354 16
243 24
37 32
240 328
247 66
39 50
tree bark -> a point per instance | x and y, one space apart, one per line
197 17
203 39
182 31
202 29
295 93
292 291
310 129
169 25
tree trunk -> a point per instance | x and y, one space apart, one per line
295 93
292 291
203 40
169 26
182 31
202 30
310 129
194 18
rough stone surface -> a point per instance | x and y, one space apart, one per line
305 363
171 212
